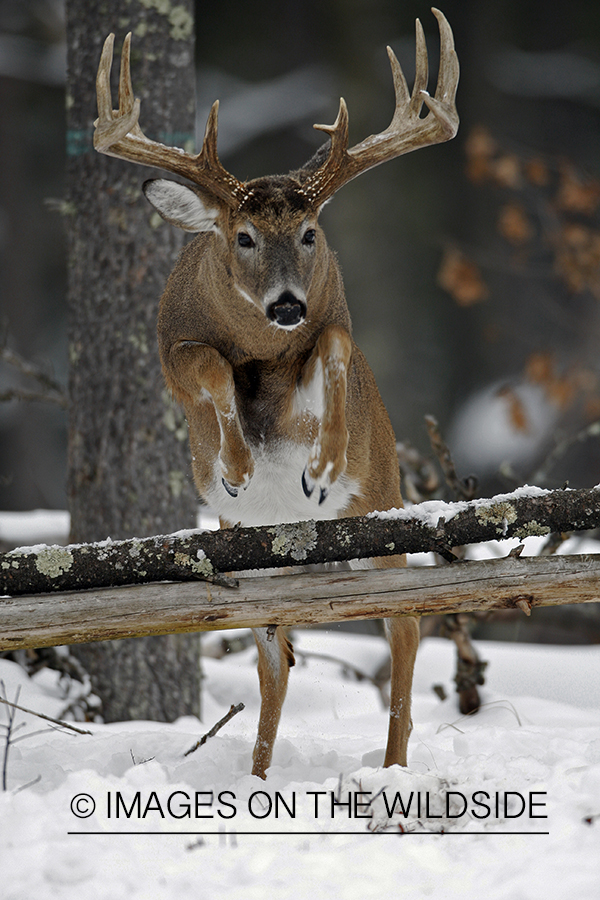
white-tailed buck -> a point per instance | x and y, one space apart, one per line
285 419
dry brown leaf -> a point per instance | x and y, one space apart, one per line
576 195
537 172
517 414
514 224
461 278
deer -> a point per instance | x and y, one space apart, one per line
285 419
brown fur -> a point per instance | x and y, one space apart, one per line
215 344
255 341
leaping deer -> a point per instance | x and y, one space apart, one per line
285 419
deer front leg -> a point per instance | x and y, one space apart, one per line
195 372
275 656
329 361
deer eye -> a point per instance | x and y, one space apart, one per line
244 240
309 236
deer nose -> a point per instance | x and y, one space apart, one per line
287 311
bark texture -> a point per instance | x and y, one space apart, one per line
510 583
129 470
200 555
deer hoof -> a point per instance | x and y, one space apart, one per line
324 493
308 485
233 492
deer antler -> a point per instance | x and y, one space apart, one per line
406 132
117 133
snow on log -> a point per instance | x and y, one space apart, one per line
194 555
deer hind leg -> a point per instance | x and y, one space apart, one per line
403 636
275 657
327 460
198 371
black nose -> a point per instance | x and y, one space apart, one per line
287 310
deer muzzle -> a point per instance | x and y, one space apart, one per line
287 311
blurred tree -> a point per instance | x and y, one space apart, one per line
128 466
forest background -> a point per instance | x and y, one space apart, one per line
472 270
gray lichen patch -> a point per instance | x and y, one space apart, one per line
294 539
180 21
135 549
200 566
532 529
53 561
176 482
501 514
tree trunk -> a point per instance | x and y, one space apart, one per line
129 469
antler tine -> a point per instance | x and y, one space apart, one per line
126 95
449 67
118 134
339 130
110 126
421 70
442 104
406 132
209 144
400 86
103 80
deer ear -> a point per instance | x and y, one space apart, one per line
180 205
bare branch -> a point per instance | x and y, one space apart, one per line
233 711
562 447
39 715
301 599
34 397
464 488
50 391
197 555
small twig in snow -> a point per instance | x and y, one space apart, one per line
9 728
233 711
42 716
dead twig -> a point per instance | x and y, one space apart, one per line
32 712
540 476
50 390
469 668
233 711
34 397
419 475
464 488
359 674
9 730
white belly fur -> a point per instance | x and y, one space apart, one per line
275 493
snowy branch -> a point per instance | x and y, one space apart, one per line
193 555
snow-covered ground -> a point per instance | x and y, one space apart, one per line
167 825
504 805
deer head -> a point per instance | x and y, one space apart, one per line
268 226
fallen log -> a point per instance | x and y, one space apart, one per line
194 555
103 614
